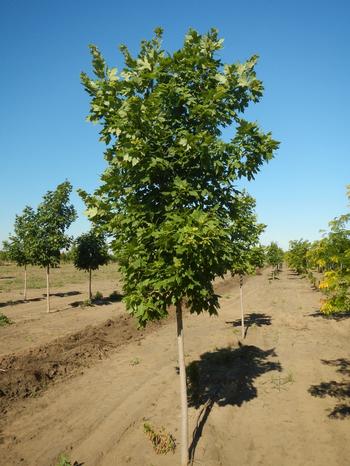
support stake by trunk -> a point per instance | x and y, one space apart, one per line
183 386
48 288
90 294
241 299
25 283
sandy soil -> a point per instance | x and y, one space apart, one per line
281 397
35 327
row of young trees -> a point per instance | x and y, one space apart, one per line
329 256
40 236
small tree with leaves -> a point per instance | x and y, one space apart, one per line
168 196
274 257
297 255
245 237
335 256
18 248
89 253
53 217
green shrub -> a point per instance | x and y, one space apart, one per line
4 320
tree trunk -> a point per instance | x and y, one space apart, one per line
183 387
25 283
90 294
47 289
241 298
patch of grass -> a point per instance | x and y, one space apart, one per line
135 362
162 441
98 296
4 320
63 460
11 276
86 303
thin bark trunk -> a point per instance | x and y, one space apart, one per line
90 294
241 298
25 283
48 288
183 387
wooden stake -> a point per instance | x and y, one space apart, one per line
90 294
48 288
183 386
241 299
25 283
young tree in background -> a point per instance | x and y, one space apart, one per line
245 237
18 248
89 253
168 196
335 253
52 218
274 257
296 256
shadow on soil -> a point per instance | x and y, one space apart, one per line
295 275
19 301
41 298
225 377
114 298
63 295
338 390
336 316
257 319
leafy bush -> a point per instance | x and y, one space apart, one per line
4 320
98 296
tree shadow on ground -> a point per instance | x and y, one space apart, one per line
64 294
41 298
335 316
113 298
293 275
257 319
225 377
338 390
20 301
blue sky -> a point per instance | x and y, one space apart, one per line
304 64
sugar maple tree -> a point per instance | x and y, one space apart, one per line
89 253
18 248
168 197
52 218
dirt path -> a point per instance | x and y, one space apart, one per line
253 404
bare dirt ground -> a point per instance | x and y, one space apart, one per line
281 397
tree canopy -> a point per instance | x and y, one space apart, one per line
53 217
274 255
297 255
334 255
19 246
90 251
169 197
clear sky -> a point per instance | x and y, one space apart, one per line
304 49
